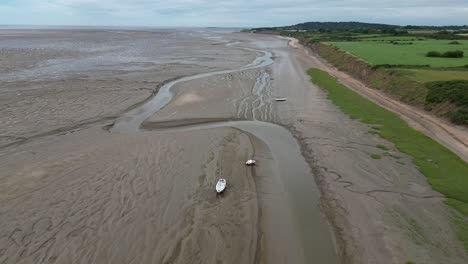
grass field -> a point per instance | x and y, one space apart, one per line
377 53
445 171
424 76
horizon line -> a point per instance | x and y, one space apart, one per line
156 26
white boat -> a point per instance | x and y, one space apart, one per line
282 99
250 162
221 185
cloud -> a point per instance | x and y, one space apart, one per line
230 13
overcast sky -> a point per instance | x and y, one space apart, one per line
230 13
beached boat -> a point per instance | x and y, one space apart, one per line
221 185
250 162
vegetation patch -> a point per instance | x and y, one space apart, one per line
433 54
376 156
381 38
388 154
447 54
382 147
446 172
455 92
461 223
459 116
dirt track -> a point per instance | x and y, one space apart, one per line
99 194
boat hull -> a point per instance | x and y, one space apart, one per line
221 185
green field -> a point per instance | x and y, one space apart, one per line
377 53
445 171
424 76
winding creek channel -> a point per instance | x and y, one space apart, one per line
289 166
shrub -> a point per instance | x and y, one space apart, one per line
455 92
459 117
454 43
382 147
433 54
453 54
447 54
411 66
400 42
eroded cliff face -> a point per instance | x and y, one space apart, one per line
387 80
392 82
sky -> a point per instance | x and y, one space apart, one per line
229 13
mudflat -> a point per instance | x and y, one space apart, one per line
112 142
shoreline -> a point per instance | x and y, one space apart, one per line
374 205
